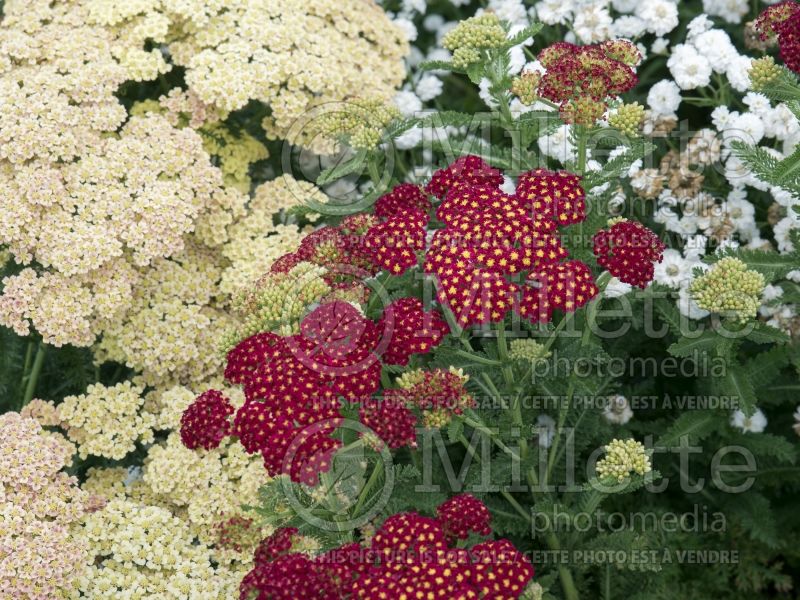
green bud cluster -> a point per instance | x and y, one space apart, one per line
525 87
729 289
622 458
360 121
471 36
763 72
528 350
628 119
279 301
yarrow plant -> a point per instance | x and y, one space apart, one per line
400 299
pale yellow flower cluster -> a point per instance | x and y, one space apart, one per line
95 198
84 196
143 551
257 241
39 503
107 421
292 55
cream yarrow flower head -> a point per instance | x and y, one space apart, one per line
622 458
107 421
730 289
471 36
39 505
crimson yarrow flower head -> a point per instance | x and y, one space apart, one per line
499 252
629 251
782 21
410 555
581 79
204 423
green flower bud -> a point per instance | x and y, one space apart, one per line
525 87
622 458
628 119
763 71
472 35
527 350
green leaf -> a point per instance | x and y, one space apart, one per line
523 35
766 334
475 72
753 512
455 429
342 169
766 444
669 313
694 425
765 367
705 342
737 385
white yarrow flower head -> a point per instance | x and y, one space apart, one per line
664 98
615 288
755 423
618 410
688 67
698 25
661 16
408 103
429 87
673 270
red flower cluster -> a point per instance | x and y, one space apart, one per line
462 515
782 20
628 250
340 250
401 200
437 394
395 241
364 244
490 237
390 419
410 556
293 385
411 329
580 79
204 424
466 170
557 196
437 390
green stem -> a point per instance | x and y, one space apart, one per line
362 497
374 174
564 574
581 131
475 422
505 493
479 359
561 324
563 411
508 375
33 378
